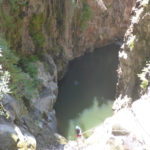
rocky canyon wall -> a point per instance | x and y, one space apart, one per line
134 55
56 32
65 29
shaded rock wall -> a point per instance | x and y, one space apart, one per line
134 52
26 129
108 23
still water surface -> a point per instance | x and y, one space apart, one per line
87 91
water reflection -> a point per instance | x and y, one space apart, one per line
89 78
89 117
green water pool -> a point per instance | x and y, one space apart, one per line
87 91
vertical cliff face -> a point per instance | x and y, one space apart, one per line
108 23
135 52
64 28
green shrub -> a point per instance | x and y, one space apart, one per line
11 25
16 4
131 42
143 78
35 29
22 84
83 15
29 65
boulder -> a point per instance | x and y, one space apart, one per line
13 137
47 99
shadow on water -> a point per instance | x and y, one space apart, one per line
87 91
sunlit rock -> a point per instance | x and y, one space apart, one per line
12 137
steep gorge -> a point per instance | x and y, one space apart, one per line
57 32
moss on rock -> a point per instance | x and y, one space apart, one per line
35 29
82 16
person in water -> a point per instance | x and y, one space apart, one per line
79 134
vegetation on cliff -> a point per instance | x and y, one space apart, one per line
23 80
82 15
35 29
11 21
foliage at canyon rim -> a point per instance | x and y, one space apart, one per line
23 73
